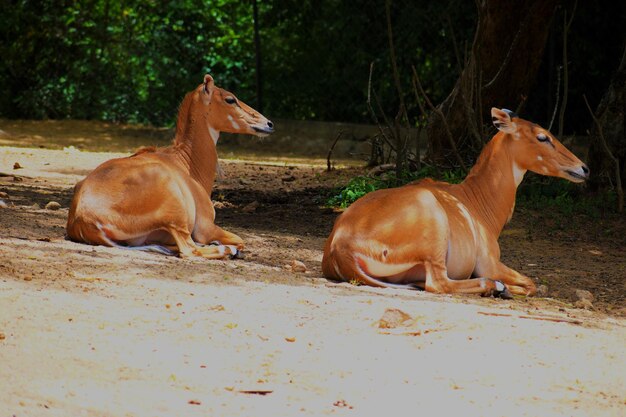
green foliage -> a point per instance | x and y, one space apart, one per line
134 60
122 61
562 197
356 188
359 186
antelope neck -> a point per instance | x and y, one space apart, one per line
195 144
491 185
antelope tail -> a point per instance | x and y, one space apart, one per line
368 270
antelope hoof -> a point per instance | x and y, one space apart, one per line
238 255
502 291
233 252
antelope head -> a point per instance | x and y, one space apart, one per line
229 114
535 149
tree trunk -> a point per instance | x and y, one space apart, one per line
611 115
503 64
258 60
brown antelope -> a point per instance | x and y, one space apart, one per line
444 238
160 199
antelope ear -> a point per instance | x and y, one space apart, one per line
502 120
209 84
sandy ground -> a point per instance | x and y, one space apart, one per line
95 331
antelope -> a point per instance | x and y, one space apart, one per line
159 199
443 238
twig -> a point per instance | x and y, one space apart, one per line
520 106
380 169
443 119
509 54
400 141
20 177
387 139
330 152
376 152
554 319
558 97
480 101
394 61
605 145
417 96
542 318
479 31
566 26
469 112
371 109
457 54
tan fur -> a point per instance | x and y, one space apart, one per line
145 149
163 195
438 236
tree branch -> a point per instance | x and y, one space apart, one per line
558 97
605 146
330 151
371 109
457 54
509 54
443 119
566 25
402 114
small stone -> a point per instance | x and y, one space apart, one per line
53 205
393 318
290 178
17 166
3 204
222 205
542 291
249 208
619 311
298 266
584 295
584 304
17 179
3 194
35 206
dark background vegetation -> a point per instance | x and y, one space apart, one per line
132 61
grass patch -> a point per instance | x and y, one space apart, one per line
359 186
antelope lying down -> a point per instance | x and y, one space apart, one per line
444 238
160 199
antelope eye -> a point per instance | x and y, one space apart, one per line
230 100
542 138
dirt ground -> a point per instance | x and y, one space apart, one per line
98 331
